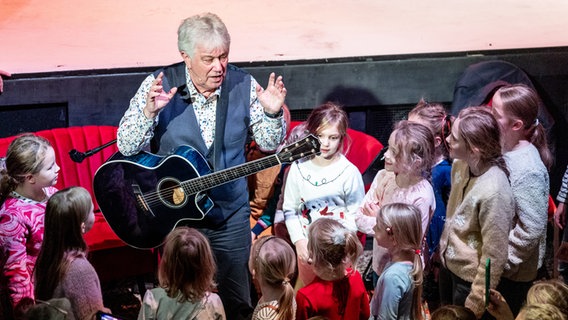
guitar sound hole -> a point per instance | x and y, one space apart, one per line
171 193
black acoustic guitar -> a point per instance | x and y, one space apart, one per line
144 196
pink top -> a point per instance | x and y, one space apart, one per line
384 190
21 235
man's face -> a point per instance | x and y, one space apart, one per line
207 68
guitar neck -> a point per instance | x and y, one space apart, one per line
215 179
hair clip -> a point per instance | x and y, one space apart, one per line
417 251
389 231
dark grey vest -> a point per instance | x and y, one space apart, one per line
178 126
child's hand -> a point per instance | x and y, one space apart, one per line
498 307
370 209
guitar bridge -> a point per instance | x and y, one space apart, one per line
141 203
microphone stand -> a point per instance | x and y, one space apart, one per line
78 156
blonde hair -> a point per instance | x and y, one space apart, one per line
403 222
551 291
24 156
187 268
415 145
541 311
333 248
273 260
453 312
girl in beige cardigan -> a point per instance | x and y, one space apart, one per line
480 211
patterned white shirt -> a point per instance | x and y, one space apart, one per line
136 131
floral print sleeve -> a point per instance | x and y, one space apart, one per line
135 130
267 132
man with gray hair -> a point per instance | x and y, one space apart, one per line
212 106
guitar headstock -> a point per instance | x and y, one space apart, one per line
308 146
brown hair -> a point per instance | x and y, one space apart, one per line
63 238
405 223
187 268
415 144
435 117
479 130
25 156
522 103
329 114
333 249
273 260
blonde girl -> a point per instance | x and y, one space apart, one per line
398 294
327 185
26 184
337 291
272 264
408 163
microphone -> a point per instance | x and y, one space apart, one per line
78 156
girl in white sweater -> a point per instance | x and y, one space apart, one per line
523 140
327 185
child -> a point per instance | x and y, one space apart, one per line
25 186
398 294
479 214
62 269
549 292
325 185
524 146
338 291
272 264
453 312
186 276
435 117
408 162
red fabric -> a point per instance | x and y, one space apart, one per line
81 174
316 299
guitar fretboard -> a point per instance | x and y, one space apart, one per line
212 180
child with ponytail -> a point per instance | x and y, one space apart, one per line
398 294
272 264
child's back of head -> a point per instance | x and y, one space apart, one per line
414 147
332 248
187 268
435 117
272 263
541 311
551 292
453 312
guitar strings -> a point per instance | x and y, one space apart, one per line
195 185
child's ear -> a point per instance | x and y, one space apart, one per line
83 226
437 141
518 124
